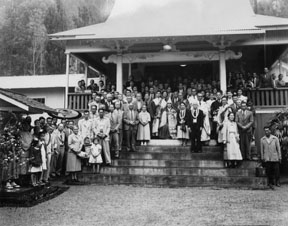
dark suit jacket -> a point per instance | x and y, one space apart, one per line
127 119
246 120
265 81
200 120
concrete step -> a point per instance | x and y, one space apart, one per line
179 163
175 149
215 172
168 163
172 156
175 181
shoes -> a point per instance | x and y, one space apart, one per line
278 184
271 187
8 186
14 185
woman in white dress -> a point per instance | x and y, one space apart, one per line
143 133
231 141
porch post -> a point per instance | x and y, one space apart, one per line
86 74
67 80
222 70
129 69
119 74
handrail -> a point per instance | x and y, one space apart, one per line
269 97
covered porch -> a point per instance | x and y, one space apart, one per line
195 34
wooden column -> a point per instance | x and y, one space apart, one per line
119 74
222 70
86 74
67 80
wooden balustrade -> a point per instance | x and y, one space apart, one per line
268 97
264 97
79 101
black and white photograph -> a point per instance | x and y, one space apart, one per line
144 112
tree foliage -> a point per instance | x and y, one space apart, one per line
25 25
24 29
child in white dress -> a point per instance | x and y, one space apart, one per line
95 158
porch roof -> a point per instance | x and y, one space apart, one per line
174 18
11 101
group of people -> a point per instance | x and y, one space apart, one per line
186 109
254 81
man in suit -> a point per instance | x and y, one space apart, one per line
85 126
195 124
115 122
255 80
271 157
129 100
102 130
119 112
130 118
58 150
214 112
138 103
244 120
265 79
234 107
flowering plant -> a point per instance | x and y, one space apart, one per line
279 127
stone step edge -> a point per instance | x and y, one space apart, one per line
203 185
176 176
178 167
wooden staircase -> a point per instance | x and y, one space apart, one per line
175 166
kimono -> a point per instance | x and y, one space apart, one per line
206 131
182 124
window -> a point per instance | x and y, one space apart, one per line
40 100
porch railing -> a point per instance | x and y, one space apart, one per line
79 101
262 98
268 97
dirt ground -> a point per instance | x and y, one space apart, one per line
127 205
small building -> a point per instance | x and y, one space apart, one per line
47 89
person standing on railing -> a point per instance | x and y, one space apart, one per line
244 120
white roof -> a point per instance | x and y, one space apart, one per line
162 18
39 81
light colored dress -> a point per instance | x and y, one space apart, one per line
95 154
143 132
73 161
231 136
221 118
206 131
43 155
